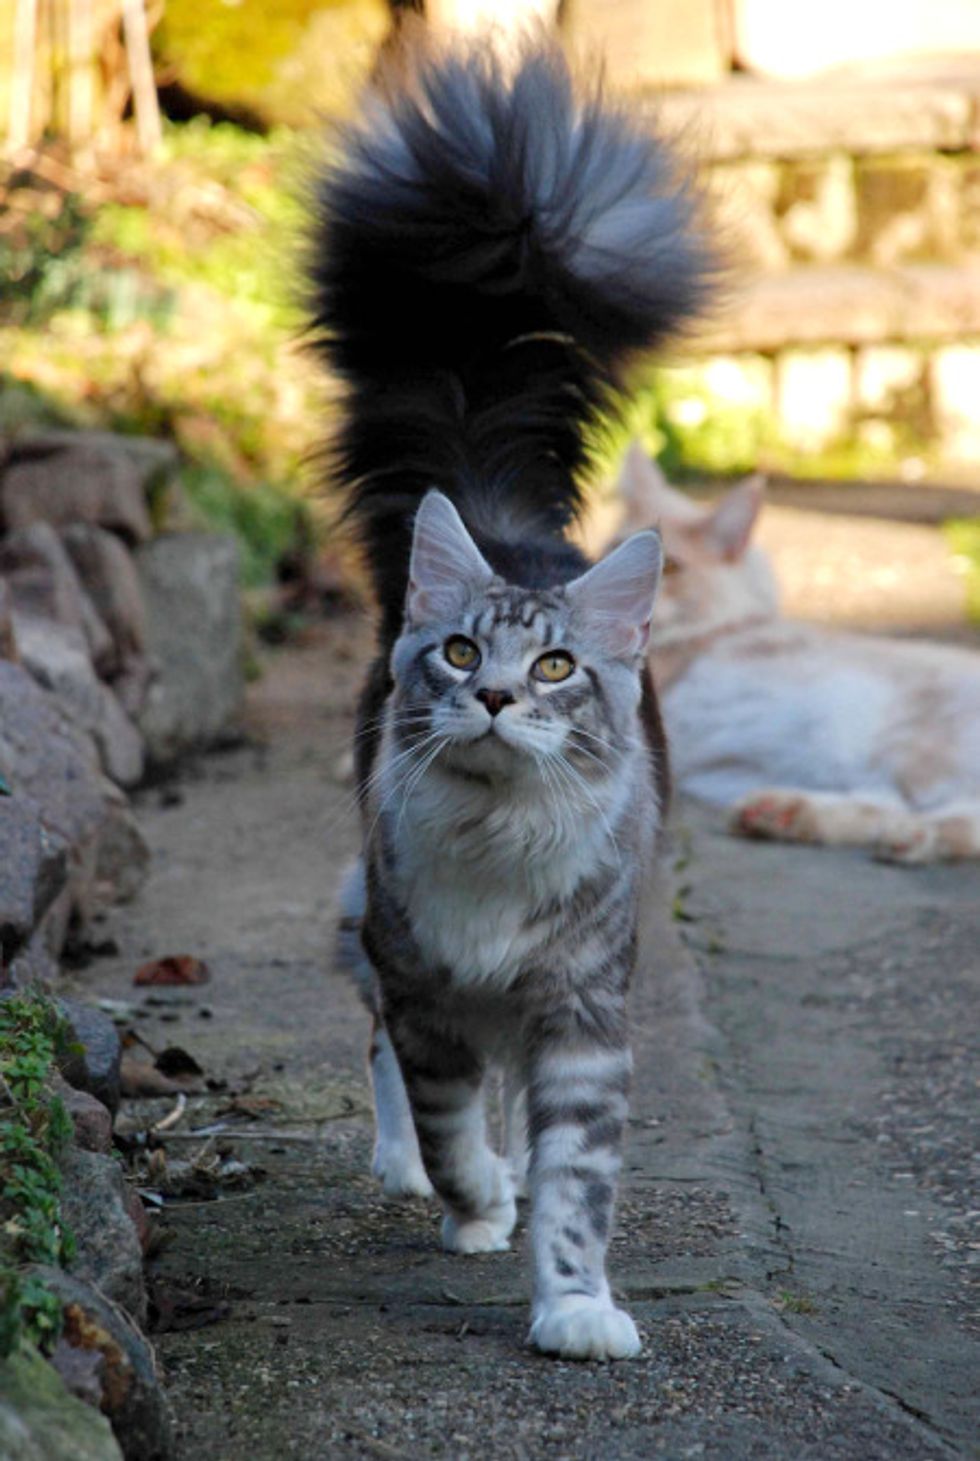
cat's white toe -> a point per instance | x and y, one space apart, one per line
400 1173
579 1328
487 1234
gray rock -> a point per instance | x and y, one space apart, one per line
94 1067
91 1120
44 756
131 684
51 761
194 631
123 854
33 870
57 658
74 905
131 1394
109 576
41 1421
43 582
8 641
33 964
95 1207
62 477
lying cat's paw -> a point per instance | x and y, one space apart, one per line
486 1234
781 816
579 1328
400 1172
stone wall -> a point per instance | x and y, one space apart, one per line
120 649
849 214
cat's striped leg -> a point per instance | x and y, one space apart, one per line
514 1103
397 1159
577 1108
444 1078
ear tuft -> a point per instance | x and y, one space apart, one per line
616 596
446 565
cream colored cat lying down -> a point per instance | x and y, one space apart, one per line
807 734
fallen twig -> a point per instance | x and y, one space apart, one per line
172 1117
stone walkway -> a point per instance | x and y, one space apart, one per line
793 1234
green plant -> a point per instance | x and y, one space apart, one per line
963 536
34 1129
41 249
266 521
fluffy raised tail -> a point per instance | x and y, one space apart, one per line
489 248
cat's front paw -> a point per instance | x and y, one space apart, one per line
486 1234
400 1172
779 816
576 1327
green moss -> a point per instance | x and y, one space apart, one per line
34 1129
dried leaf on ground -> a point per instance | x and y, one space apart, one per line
173 969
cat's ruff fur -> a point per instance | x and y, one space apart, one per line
806 734
491 246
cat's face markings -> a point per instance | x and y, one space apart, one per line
515 678
498 676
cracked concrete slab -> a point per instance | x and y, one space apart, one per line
790 1235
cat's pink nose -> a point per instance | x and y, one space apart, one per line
495 700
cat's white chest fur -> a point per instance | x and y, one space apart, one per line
477 878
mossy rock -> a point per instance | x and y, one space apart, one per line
287 63
41 1421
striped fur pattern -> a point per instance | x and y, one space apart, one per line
492 245
503 861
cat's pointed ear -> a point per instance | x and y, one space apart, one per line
645 493
728 528
446 565
616 596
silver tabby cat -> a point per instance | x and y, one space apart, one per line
491 248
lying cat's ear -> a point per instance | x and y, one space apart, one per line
728 529
645 493
446 565
616 596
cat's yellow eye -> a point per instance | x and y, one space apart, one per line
461 653
553 667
